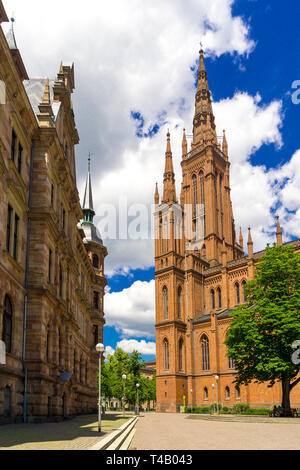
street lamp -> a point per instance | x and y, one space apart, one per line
138 406
124 377
100 350
217 379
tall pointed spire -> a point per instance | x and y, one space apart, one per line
156 196
169 176
184 145
225 144
278 232
10 37
250 244
88 206
241 240
204 120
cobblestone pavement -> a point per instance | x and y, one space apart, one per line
176 432
78 434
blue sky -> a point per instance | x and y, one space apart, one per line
135 66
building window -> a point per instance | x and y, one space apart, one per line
7 324
74 364
96 300
205 353
96 334
181 355
95 261
7 402
231 363
60 281
48 345
237 291
9 227
20 153
16 235
50 265
63 219
238 392
219 292
52 194
167 354
205 393
213 299
179 306
227 393
13 145
166 303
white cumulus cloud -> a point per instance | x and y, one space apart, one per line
143 347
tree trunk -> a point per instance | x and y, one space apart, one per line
286 404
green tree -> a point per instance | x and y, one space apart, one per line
263 330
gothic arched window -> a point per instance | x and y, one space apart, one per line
179 300
181 355
195 195
205 393
7 324
205 353
202 194
219 292
238 392
166 303
237 291
227 393
166 355
231 363
213 299
244 290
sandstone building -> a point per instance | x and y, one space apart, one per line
51 255
200 280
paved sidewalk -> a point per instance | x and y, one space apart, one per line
78 434
175 432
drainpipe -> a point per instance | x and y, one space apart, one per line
26 287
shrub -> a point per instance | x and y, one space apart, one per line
241 408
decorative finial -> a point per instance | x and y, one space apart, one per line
89 160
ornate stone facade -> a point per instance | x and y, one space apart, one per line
51 266
200 280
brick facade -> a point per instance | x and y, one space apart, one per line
197 285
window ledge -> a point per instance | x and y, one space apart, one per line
15 263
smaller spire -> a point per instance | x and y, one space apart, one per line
46 96
278 232
169 176
241 240
225 144
156 197
10 37
88 206
184 144
250 244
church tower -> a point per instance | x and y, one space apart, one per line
191 237
97 253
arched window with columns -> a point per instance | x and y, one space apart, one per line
219 294
179 303
166 355
237 293
7 324
180 355
205 353
244 283
212 299
166 302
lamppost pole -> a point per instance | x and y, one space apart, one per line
217 380
138 406
100 349
124 377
